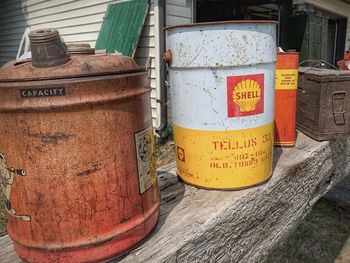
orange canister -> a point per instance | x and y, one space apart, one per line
285 98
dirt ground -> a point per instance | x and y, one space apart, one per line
2 221
319 238
165 152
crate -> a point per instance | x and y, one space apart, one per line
323 103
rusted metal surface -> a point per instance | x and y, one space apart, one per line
80 49
89 191
47 48
78 66
222 92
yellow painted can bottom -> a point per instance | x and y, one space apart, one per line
226 160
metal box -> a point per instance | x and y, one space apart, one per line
323 103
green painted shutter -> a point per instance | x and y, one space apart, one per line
122 26
308 34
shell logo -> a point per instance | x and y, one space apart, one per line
245 95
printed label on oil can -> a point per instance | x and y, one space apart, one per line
245 95
286 79
224 159
146 161
42 92
7 177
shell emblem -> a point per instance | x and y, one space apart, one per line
245 95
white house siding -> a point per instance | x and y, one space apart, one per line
77 21
147 54
336 7
177 12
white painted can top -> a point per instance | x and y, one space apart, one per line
221 44
205 57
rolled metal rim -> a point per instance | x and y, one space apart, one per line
43 36
224 23
287 53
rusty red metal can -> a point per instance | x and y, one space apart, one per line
285 98
77 162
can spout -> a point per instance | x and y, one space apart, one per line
168 57
47 48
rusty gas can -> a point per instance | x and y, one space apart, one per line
285 98
77 163
221 78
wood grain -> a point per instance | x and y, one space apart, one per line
238 226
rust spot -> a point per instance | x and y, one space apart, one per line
52 139
85 66
124 218
88 172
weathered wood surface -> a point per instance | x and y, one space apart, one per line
238 226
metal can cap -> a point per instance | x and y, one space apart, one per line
51 60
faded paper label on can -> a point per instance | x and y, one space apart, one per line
286 79
7 179
146 160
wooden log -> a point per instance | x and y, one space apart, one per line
239 226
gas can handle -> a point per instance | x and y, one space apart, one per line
338 105
168 57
